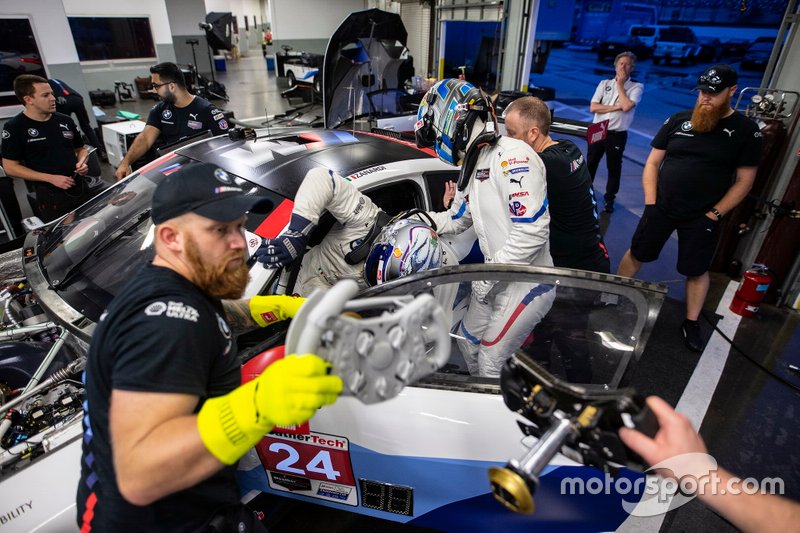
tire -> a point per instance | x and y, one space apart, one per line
292 79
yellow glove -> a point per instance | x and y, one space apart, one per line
288 392
268 309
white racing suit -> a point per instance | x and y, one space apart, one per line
506 201
323 190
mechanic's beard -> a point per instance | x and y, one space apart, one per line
705 119
217 280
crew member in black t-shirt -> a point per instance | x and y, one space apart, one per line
165 415
703 163
178 116
575 240
69 102
45 147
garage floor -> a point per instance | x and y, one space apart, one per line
749 419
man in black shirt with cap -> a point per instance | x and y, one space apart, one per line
703 163
165 415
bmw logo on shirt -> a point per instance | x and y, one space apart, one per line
167 114
33 132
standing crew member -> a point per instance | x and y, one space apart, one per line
503 193
166 417
69 101
177 116
45 147
614 99
575 240
703 163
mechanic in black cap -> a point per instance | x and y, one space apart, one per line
166 417
703 163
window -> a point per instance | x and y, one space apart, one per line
104 38
19 54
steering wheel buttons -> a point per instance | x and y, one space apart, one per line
397 335
364 343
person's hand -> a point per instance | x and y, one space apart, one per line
292 389
122 171
62 182
266 310
81 168
675 436
282 250
449 193
287 393
711 216
481 290
286 247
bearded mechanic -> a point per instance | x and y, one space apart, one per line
703 163
166 417
178 116
502 192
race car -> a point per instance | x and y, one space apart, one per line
420 458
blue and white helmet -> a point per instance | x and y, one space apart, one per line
446 116
403 247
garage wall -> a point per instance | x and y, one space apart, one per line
184 19
55 42
103 73
308 24
416 18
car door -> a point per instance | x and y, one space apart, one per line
421 458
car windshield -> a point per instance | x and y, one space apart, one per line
94 250
590 334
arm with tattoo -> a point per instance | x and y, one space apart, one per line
237 313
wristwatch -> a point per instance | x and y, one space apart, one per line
716 213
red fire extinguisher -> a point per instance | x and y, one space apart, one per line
752 290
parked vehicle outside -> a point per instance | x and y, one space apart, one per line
710 50
647 33
677 43
612 46
757 56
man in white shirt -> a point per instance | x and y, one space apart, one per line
614 99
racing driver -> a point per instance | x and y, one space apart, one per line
502 192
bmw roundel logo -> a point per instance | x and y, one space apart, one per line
6 135
33 132
686 126
223 327
222 176
167 114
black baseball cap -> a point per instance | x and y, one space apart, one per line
716 78
206 190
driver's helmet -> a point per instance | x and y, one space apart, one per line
446 116
403 247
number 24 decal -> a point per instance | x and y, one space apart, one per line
320 463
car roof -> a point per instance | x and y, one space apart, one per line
279 162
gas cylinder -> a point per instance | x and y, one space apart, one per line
752 289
